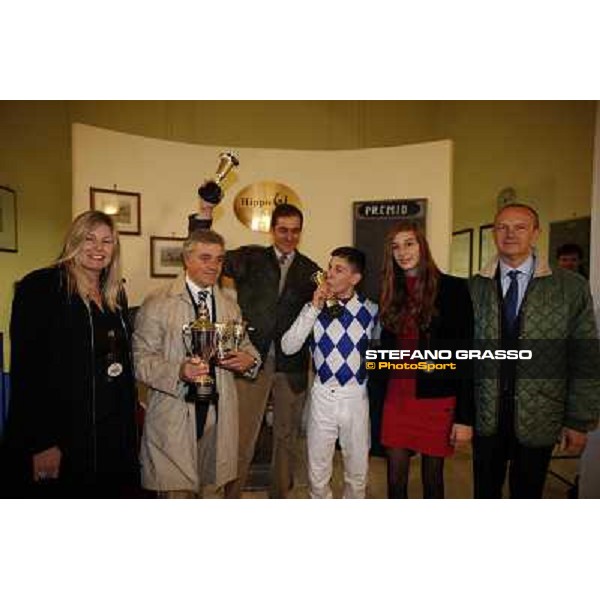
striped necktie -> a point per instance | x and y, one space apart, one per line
204 300
202 296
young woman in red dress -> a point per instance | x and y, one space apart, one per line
424 412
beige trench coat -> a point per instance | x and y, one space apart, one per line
169 451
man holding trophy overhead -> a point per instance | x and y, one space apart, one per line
190 434
273 284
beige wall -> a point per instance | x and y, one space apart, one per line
302 125
543 149
35 160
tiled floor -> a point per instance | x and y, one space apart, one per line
458 480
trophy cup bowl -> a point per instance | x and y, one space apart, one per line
332 305
203 344
210 190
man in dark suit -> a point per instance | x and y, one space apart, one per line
273 284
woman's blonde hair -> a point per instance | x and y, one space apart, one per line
111 284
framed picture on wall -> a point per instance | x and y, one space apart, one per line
8 219
123 207
165 256
487 248
461 253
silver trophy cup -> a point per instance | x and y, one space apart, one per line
223 335
238 332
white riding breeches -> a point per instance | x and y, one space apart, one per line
338 413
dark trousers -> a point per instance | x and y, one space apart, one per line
287 416
527 470
527 467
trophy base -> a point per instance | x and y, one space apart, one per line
334 310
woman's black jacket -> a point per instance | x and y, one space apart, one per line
450 329
52 374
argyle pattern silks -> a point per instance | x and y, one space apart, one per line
338 345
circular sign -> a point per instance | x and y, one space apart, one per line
254 204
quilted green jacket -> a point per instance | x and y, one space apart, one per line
561 386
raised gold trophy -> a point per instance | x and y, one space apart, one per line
210 190
332 305
202 338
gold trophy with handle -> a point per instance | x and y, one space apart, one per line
332 305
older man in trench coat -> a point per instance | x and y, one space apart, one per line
181 453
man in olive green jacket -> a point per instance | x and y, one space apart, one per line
524 407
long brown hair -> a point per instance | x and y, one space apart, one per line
393 301
111 285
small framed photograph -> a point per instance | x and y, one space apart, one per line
461 253
8 219
123 207
487 248
166 256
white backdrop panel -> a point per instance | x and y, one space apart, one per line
167 174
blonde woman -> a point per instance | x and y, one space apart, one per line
71 418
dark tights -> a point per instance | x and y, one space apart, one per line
432 474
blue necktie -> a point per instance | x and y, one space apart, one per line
511 300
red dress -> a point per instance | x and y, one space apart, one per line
419 424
